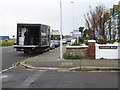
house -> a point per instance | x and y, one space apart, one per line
115 22
112 24
107 26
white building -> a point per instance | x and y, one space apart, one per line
76 33
112 24
55 32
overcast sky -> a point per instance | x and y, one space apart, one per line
46 12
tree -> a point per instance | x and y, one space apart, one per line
81 29
55 37
86 33
95 20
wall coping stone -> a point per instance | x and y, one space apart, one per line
92 41
108 44
84 46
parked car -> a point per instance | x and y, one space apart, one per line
56 43
72 41
69 39
52 45
64 41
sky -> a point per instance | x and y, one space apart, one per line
46 12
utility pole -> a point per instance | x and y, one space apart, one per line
73 14
61 53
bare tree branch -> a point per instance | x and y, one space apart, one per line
95 20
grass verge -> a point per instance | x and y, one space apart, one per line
4 43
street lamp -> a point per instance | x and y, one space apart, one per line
73 14
61 53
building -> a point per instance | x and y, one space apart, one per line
55 32
112 24
55 35
107 26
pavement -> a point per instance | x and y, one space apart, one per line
51 63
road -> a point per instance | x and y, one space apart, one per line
11 56
21 77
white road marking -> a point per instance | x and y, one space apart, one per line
1 77
13 66
67 64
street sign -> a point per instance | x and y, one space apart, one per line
76 34
107 47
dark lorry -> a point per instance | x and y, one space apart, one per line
32 37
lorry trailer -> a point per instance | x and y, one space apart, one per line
32 37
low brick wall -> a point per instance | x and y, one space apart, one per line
77 50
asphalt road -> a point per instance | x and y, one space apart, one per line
23 78
11 56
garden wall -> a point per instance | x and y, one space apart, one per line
94 50
77 50
108 51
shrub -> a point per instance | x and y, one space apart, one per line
66 56
76 44
103 58
110 41
118 41
100 41
91 58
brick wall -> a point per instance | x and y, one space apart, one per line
90 52
77 51
82 51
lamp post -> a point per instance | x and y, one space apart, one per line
73 14
61 53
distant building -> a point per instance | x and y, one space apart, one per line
55 32
4 38
55 35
